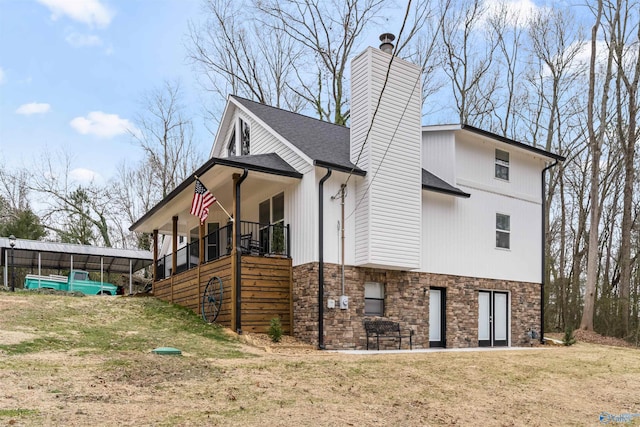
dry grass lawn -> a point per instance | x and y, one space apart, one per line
88 361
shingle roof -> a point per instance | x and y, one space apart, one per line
431 182
327 144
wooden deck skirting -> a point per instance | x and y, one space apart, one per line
266 291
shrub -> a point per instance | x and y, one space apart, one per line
569 339
275 330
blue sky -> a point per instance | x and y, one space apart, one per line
72 73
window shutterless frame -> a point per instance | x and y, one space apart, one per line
373 299
503 231
502 165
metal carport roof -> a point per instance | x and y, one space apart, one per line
33 253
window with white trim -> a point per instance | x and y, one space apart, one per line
373 299
503 231
502 164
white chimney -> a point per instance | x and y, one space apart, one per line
389 218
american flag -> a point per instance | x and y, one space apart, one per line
202 199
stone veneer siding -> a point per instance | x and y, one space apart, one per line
406 301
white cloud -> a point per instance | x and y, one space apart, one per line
33 108
82 40
84 176
3 77
90 12
518 12
102 124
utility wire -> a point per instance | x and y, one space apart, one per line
384 86
366 191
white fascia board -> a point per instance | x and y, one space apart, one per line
227 115
435 128
273 132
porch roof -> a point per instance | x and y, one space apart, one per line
430 182
265 167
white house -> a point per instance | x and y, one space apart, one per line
438 228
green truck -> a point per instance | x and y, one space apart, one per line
77 281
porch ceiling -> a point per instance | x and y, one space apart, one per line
219 181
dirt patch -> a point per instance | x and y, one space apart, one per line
596 338
287 344
592 337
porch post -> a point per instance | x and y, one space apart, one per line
174 248
154 269
201 252
236 254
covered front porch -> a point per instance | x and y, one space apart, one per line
244 241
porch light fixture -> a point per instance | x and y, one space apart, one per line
12 243
387 42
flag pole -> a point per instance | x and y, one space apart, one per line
225 211
218 202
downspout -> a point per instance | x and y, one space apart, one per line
239 254
544 254
321 260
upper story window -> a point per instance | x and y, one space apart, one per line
245 138
503 231
373 299
502 165
231 145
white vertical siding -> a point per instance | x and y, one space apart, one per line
388 218
460 237
460 234
301 213
438 148
475 157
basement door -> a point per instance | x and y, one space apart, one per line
493 323
437 317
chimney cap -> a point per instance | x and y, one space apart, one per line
387 45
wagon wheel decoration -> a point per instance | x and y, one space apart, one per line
212 300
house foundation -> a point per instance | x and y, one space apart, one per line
406 301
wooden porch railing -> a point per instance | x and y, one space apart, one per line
265 290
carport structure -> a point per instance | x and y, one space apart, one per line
38 255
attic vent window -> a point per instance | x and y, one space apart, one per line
245 138
502 165
231 145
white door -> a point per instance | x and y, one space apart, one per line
493 318
437 318
484 319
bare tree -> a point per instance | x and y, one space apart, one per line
66 204
596 139
328 32
467 57
237 54
135 194
291 54
165 135
627 59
